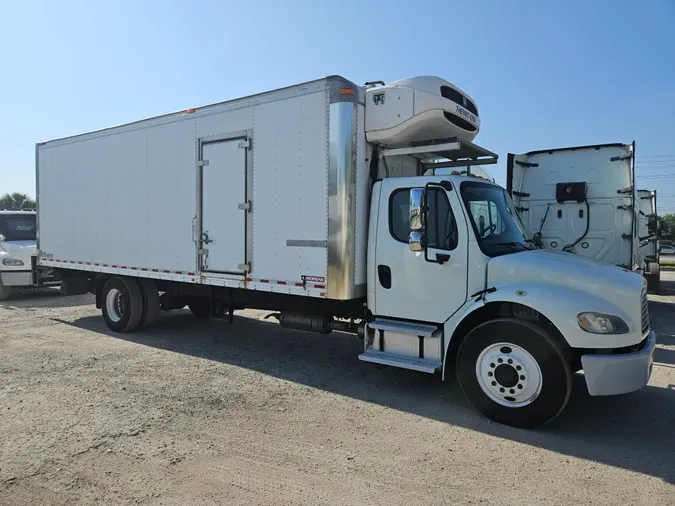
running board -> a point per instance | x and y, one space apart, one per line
414 329
414 364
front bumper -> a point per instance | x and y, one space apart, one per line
17 278
621 373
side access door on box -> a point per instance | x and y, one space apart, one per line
224 206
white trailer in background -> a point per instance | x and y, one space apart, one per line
649 232
312 201
580 200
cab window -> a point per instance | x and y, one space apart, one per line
441 225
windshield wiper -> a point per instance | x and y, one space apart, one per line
510 243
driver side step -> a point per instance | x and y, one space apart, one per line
415 364
409 345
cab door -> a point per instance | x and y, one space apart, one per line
427 286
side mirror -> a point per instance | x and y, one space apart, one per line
417 241
417 222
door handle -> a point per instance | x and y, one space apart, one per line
384 275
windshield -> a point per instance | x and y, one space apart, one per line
494 219
18 227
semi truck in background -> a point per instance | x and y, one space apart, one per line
649 233
338 208
580 200
18 253
583 200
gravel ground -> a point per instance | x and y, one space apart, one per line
194 412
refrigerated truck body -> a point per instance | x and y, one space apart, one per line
322 203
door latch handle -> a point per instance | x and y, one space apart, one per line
205 238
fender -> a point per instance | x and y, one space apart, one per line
560 305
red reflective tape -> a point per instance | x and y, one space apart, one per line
264 280
191 273
105 265
299 284
319 286
97 265
249 279
133 268
79 262
88 263
178 272
72 261
143 269
281 282
155 270
168 272
114 266
123 266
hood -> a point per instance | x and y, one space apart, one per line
565 269
20 250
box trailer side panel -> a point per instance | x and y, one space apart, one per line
257 193
580 199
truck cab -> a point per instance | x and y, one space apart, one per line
455 283
17 247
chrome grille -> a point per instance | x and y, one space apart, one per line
645 312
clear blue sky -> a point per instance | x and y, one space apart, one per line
543 74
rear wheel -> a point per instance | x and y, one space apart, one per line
514 372
5 291
150 296
122 304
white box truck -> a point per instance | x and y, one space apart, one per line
311 201
649 233
580 200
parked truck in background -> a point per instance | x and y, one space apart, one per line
580 200
18 252
649 233
325 203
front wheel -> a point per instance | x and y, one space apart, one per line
5 291
514 372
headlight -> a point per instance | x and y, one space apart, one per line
12 262
598 323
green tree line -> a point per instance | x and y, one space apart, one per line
16 200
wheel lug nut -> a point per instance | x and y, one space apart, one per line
492 365
522 377
512 391
501 390
510 361
518 368
490 374
520 387
500 360
494 383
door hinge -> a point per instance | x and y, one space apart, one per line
203 251
202 163
245 144
244 267
626 236
627 207
245 206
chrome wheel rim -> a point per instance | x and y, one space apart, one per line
114 304
509 375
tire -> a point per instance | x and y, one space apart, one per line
201 308
150 297
530 390
5 291
122 304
